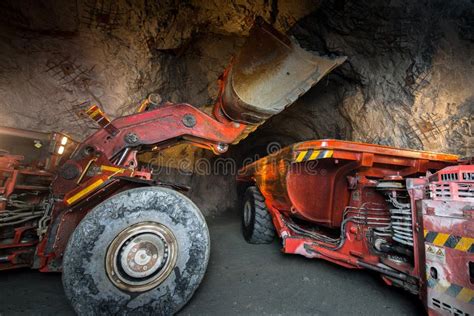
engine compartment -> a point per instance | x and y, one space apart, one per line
26 203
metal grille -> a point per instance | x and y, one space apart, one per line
468 176
451 191
449 176
445 307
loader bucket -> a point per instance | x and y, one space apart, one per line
270 73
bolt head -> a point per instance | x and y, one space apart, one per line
154 98
189 120
131 138
222 148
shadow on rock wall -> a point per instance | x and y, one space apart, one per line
407 82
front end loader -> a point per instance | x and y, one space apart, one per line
124 241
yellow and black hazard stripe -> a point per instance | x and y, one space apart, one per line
95 113
459 292
310 154
465 244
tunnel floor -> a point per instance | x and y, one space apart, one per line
241 279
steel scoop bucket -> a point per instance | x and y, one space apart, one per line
271 72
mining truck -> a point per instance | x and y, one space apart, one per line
405 214
125 241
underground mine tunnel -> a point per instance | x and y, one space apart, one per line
162 157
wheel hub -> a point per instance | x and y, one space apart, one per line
141 256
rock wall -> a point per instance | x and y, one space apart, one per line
407 82
57 57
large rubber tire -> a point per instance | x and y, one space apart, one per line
88 286
257 224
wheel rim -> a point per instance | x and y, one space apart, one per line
141 257
247 213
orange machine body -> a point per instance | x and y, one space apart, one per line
367 206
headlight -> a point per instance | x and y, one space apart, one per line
61 149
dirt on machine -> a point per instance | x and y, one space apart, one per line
405 214
125 241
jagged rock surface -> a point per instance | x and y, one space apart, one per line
407 82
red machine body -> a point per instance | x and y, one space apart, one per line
25 180
448 229
357 205
105 163
15 181
101 166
